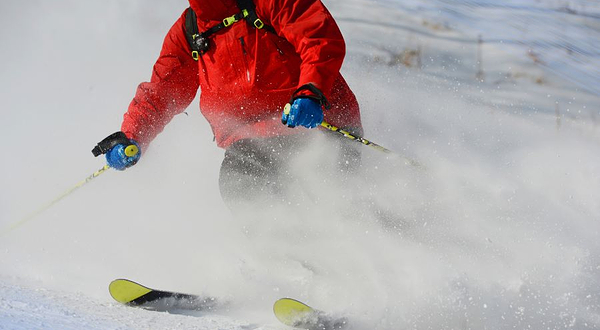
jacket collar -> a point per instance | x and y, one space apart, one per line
211 11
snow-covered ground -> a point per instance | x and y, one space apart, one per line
499 232
563 36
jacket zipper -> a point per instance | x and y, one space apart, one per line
277 47
245 60
279 50
243 45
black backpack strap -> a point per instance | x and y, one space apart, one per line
251 17
192 33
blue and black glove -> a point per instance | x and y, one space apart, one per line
121 152
305 108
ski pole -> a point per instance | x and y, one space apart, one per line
366 142
356 138
56 200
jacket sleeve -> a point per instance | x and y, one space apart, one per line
313 32
171 89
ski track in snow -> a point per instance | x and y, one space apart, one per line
499 232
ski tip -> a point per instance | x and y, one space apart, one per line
126 291
291 311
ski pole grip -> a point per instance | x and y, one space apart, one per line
131 150
112 140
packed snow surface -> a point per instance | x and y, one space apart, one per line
497 230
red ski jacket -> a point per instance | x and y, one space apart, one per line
248 74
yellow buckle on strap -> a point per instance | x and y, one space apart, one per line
229 20
259 24
195 55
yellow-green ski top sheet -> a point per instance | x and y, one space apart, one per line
126 291
290 311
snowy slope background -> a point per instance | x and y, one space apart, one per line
500 231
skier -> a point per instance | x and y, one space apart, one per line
249 58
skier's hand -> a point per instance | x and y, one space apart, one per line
121 152
304 111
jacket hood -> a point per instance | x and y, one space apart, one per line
213 10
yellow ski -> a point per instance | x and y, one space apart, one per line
134 294
296 314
